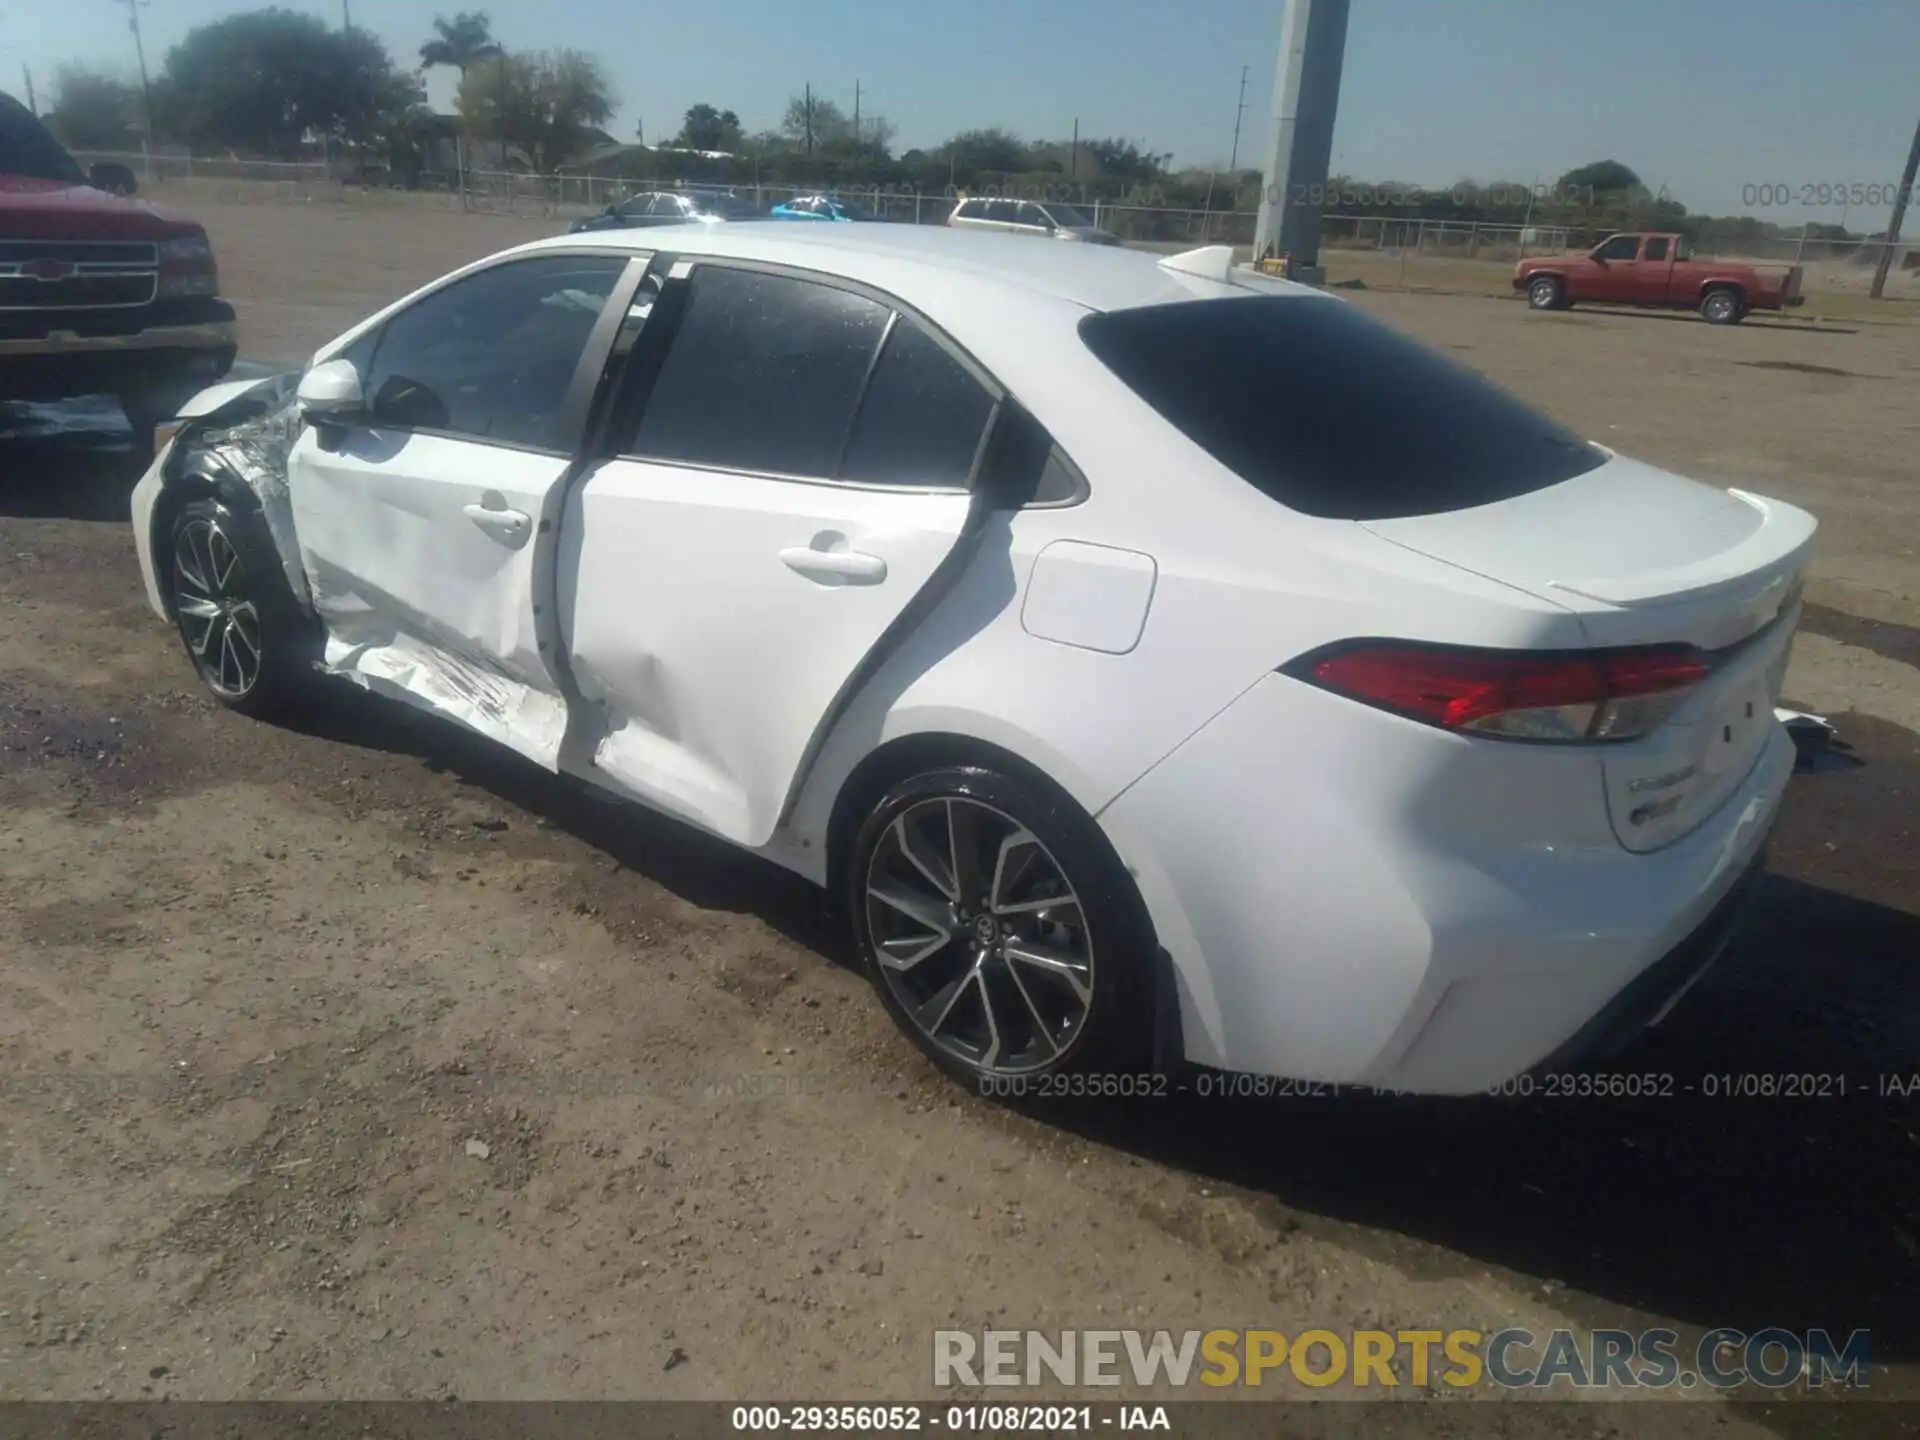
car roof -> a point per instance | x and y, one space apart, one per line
912 260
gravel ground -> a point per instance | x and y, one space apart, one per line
357 1060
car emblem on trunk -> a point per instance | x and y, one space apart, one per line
48 268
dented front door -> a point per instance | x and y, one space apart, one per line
426 523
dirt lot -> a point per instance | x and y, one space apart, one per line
262 991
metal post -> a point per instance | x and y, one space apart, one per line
1239 110
809 119
27 72
1306 95
1899 216
1073 155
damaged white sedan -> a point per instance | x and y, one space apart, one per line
1162 661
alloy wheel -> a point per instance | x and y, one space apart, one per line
221 625
979 935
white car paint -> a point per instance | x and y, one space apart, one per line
1343 894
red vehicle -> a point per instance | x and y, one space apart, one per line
100 294
1657 269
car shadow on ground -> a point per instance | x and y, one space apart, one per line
1689 317
1772 1180
687 862
66 462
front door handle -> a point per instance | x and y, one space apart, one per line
835 566
508 524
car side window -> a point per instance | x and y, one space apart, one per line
921 420
634 207
1030 214
1656 249
763 374
491 357
1621 247
972 209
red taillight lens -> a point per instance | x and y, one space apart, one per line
1597 695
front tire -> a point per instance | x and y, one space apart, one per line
243 630
1001 931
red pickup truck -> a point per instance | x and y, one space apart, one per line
100 294
1657 269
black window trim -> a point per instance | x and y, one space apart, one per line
671 265
588 374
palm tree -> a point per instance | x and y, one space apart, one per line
462 40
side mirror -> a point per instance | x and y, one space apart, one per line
331 391
114 178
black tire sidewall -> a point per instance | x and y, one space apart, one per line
1553 298
287 641
1707 303
1117 1035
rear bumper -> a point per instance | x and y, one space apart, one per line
1649 999
63 363
1352 899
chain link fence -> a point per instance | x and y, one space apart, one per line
1380 249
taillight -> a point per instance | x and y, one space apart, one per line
1515 695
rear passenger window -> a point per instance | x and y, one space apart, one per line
1656 249
922 417
763 375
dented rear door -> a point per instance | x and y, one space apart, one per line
794 478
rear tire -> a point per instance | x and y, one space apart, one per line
1002 933
249 641
1723 306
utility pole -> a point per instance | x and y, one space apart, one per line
856 117
146 89
1306 93
27 72
1073 155
346 31
1899 216
1233 160
809 119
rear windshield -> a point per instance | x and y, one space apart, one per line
1330 412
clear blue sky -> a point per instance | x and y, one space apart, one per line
1702 96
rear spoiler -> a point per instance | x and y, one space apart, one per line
1784 531
1216 263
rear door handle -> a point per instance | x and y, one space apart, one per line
506 523
847 565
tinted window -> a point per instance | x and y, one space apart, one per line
763 374
633 209
973 209
1656 249
492 356
922 417
1067 215
1330 412
1031 215
1621 247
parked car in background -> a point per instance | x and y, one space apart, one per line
665 207
1159 659
820 207
100 293
1657 269
1029 217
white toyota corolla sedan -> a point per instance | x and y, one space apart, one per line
1163 662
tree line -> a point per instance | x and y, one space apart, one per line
281 84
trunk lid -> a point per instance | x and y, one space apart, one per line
1645 557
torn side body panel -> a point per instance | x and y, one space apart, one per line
251 439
